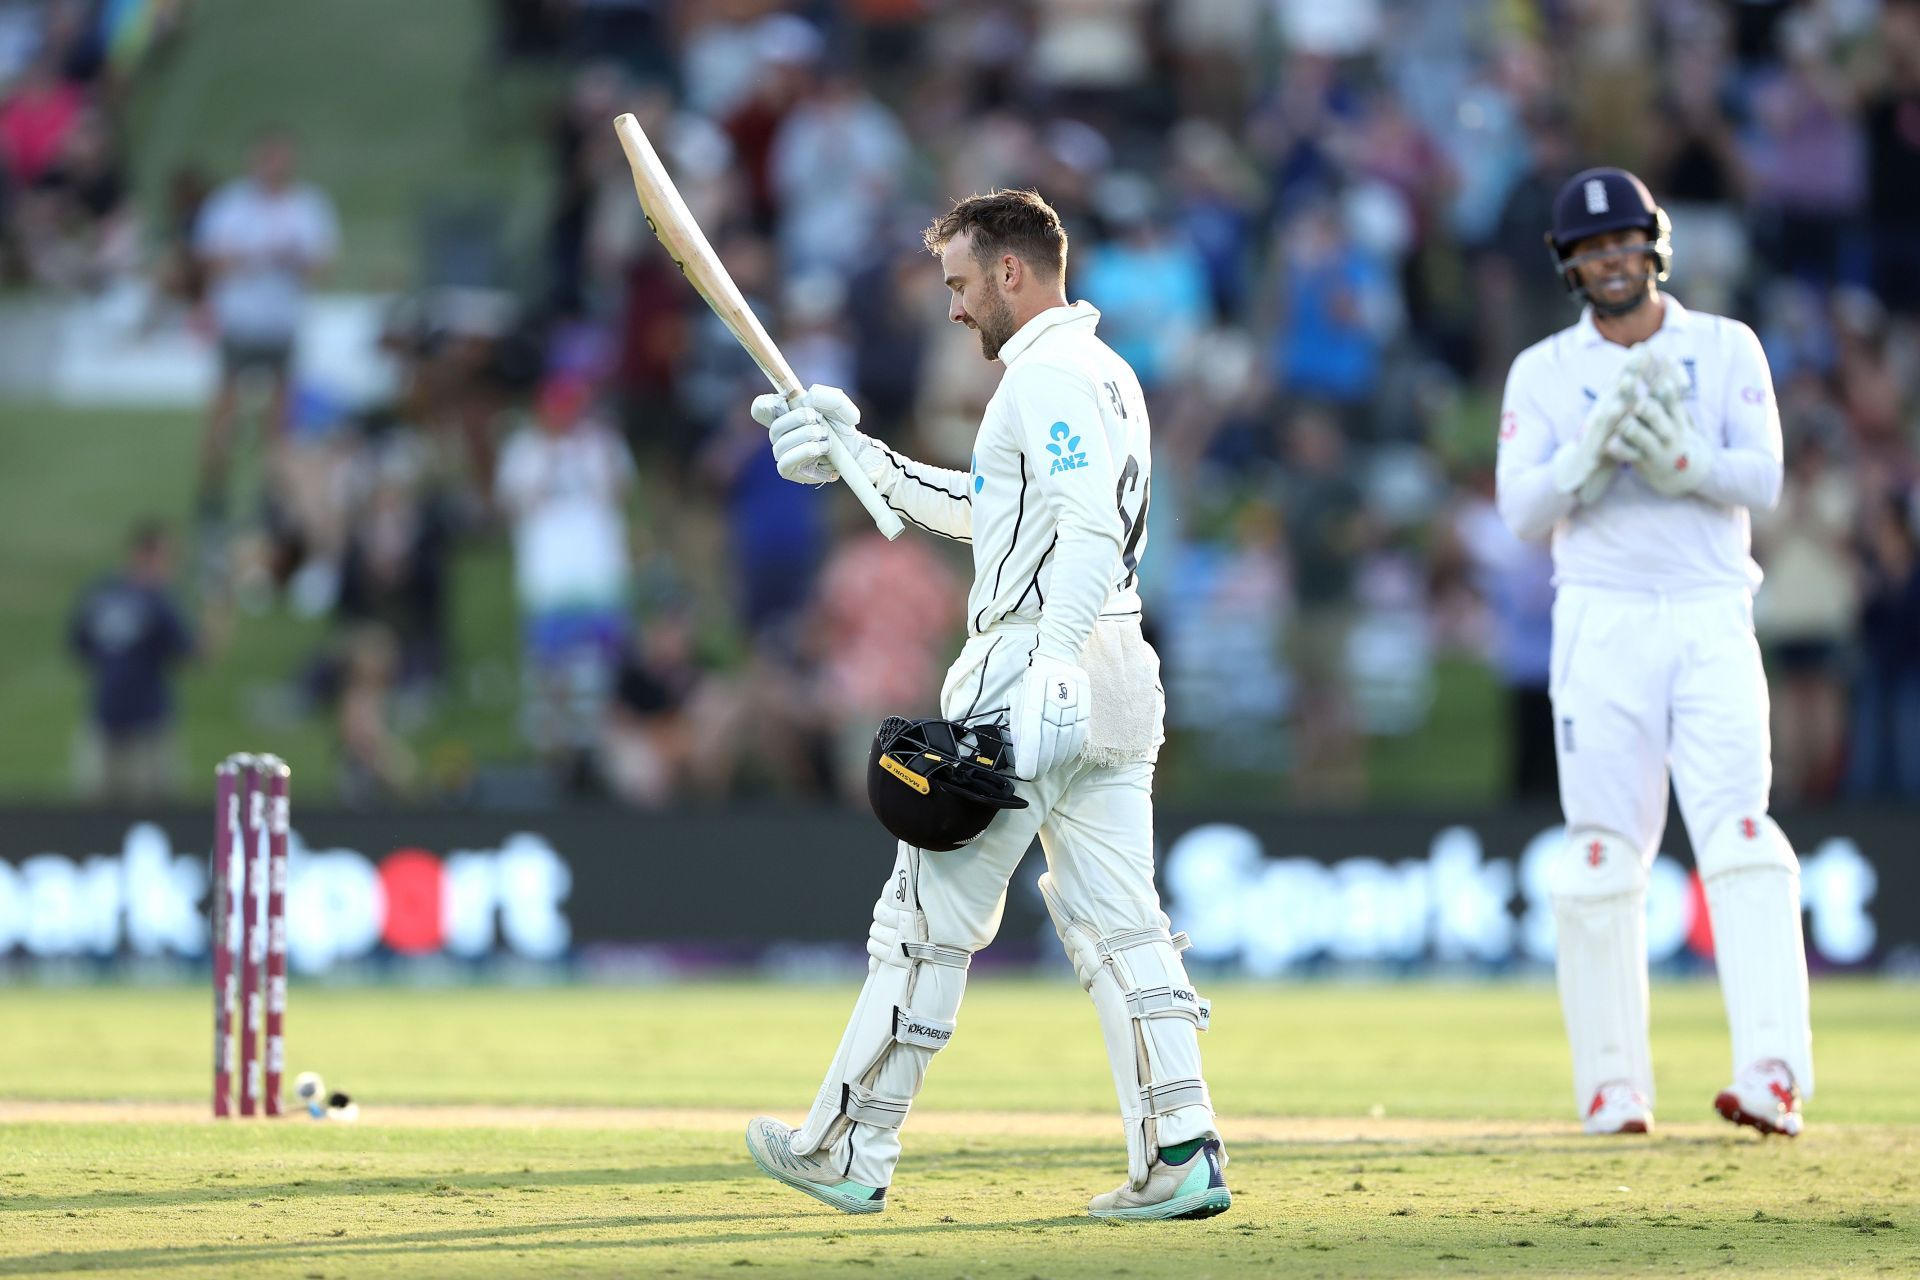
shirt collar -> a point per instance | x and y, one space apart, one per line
1675 320
1053 317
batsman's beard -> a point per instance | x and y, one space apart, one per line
995 324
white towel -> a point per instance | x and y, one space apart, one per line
1128 704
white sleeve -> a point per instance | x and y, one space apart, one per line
1528 499
1747 470
932 498
1058 412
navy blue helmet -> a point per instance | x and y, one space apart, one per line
1596 201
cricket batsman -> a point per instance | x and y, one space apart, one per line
1054 667
1639 439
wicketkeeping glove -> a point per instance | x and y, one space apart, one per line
1668 451
1051 712
1582 466
798 434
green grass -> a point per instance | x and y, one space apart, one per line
76 480
393 106
1506 1187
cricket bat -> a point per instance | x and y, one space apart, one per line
687 245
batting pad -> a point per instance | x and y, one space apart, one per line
1599 891
904 1015
1752 879
1149 1017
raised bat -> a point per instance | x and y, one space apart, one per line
687 245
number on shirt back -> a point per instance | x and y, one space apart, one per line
1135 525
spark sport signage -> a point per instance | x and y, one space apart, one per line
605 891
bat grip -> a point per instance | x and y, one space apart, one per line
854 476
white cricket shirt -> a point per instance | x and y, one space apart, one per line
1633 538
271 240
1055 503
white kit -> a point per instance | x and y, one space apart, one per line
1055 506
1655 670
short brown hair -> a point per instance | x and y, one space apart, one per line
1015 222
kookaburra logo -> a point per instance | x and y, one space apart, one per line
1069 457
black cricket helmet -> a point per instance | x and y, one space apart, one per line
936 784
1594 202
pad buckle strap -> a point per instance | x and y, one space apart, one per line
864 1106
937 953
1181 942
1128 939
1169 1002
1175 1094
910 1028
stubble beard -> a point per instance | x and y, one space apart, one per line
995 323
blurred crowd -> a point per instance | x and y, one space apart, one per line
67 217
1314 230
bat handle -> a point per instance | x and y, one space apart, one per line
854 476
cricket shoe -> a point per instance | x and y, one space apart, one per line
1193 1188
1618 1107
1765 1097
770 1143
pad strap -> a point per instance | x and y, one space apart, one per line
867 1107
935 953
1158 1099
922 1032
1127 939
1170 1002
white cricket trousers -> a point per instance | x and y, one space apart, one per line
1644 683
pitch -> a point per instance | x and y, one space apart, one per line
1373 1130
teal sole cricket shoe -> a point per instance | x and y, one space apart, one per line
770 1143
1194 1188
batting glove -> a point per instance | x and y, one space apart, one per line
799 431
1051 712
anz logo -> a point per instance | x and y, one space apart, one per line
1069 457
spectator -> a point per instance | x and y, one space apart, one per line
1515 579
884 615
1886 728
181 274
786 50
1698 171
843 130
1893 160
129 634
1804 159
1151 288
263 239
375 762
563 485
1328 530
1225 612
1335 308
77 227
36 119
394 571
1804 614
673 728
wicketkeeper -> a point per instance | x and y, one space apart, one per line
1055 679
1640 438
